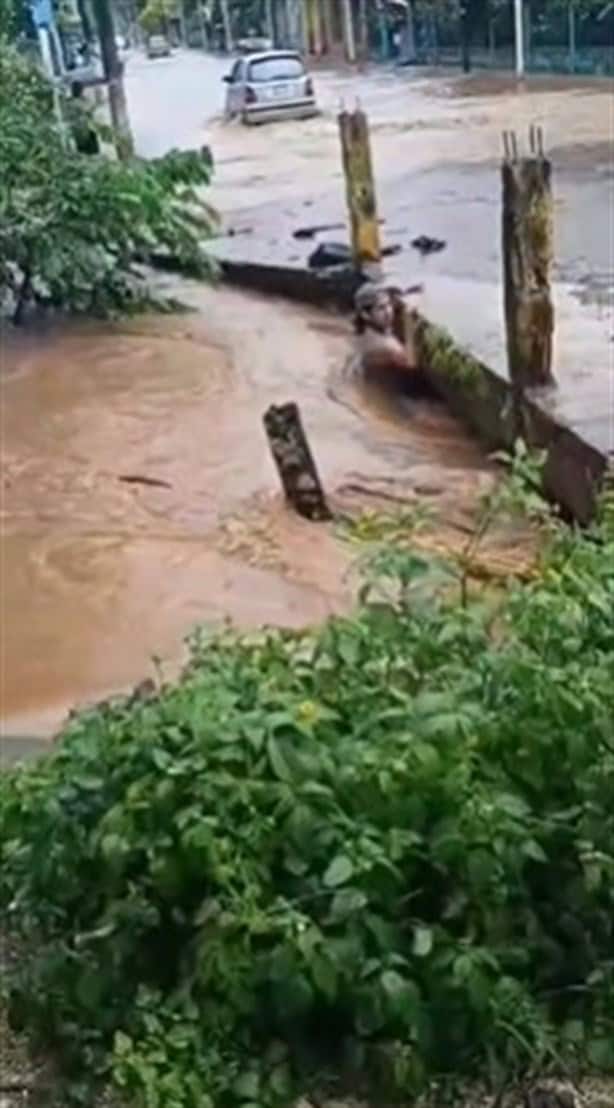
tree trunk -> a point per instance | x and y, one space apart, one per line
434 36
382 24
527 256
294 461
526 24
24 294
328 25
315 28
113 71
410 34
295 24
349 38
183 29
85 21
269 20
571 19
204 37
363 30
228 40
360 187
466 37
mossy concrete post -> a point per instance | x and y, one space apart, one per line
527 259
294 461
360 188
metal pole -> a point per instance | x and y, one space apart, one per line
519 38
44 42
56 46
46 50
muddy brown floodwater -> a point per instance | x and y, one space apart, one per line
101 574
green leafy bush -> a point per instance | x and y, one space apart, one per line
74 227
383 850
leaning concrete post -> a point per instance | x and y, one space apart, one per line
360 187
527 256
294 461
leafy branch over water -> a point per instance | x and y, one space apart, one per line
76 228
381 850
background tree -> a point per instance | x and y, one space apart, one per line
156 15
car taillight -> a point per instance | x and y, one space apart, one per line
309 87
250 96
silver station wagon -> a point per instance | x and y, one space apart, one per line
268 86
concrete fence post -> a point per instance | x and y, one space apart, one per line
360 187
527 258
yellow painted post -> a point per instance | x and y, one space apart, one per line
360 187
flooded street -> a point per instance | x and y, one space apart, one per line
437 144
106 573
138 493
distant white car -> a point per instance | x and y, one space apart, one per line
254 45
158 46
270 85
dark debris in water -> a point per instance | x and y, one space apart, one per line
427 245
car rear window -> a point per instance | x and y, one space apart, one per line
276 69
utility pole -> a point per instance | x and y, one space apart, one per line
314 28
204 37
114 77
519 37
348 31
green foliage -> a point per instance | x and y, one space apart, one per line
383 849
156 15
15 18
73 227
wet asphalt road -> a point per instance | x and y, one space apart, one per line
436 145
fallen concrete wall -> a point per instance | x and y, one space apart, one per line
498 414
